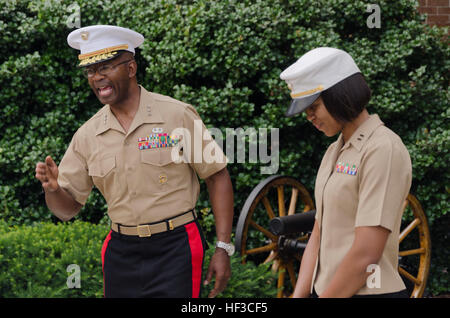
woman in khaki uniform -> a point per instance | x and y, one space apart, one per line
363 179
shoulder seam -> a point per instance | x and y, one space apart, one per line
165 98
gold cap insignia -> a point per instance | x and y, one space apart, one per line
84 35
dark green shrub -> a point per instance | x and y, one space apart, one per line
247 280
35 259
225 58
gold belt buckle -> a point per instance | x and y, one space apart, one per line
144 231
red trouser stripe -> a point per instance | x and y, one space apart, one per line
104 247
195 243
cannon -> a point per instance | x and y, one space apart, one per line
277 219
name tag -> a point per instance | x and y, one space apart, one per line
157 141
342 167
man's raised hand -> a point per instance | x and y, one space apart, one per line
47 173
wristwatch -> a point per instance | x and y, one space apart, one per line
228 247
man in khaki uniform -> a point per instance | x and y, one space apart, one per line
140 150
362 182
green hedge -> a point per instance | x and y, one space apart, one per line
225 58
35 259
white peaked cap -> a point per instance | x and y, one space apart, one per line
314 72
98 43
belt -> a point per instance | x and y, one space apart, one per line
147 230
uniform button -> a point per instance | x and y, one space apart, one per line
130 168
162 179
133 193
126 142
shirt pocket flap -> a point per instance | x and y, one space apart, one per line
157 157
102 167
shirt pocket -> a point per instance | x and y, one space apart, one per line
102 167
157 157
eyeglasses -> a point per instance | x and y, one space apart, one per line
102 70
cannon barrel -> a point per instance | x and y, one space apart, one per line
287 245
300 222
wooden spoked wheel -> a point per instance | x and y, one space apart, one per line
275 196
415 248
279 196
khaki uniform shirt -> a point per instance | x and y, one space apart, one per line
363 182
141 181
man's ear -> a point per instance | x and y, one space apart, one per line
132 69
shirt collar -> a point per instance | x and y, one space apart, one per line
147 113
363 132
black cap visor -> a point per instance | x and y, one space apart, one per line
300 104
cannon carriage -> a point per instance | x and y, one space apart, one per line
277 218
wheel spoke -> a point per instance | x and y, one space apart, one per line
303 238
281 274
262 249
412 252
275 265
290 269
293 202
268 207
407 275
263 230
408 229
273 255
281 207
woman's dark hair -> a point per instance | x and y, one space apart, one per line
348 98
